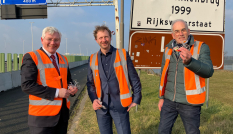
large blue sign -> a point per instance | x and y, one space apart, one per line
23 2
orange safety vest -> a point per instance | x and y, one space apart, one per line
48 76
121 71
194 85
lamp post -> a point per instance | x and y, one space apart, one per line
66 45
32 34
87 51
122 25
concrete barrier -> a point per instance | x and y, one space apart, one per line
5 81
16 78
9 80
78 63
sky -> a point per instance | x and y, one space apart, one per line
77 25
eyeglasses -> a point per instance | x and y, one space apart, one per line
54 40
178 31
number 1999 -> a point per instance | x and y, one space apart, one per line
182 9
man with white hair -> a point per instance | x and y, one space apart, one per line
45 77
185 65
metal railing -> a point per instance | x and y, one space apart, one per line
15 63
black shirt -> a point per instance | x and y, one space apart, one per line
106 59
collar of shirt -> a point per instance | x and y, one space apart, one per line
49 54
109 52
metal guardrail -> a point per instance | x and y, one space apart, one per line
7 66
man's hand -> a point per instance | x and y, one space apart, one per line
131 105
63 93
185 55
72 90
160 104
96 104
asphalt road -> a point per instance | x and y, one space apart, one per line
14 105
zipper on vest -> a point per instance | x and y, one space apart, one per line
177 62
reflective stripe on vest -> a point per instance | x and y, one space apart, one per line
194 85
45 102
121 71
95 72
163 81
44 107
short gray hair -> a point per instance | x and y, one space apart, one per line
179 20
50 30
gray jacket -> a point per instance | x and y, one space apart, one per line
203 67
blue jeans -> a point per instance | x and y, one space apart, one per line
190 116
121 120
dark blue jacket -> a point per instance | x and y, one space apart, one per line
110 85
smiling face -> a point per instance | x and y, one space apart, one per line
51 42
179 32
103 39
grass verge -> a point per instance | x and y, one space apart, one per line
216 119
76 107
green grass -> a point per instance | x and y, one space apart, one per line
216 119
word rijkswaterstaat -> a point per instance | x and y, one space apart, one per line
157 22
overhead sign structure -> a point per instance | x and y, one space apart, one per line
23 2
150 28
200 15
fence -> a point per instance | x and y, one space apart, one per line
17 61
